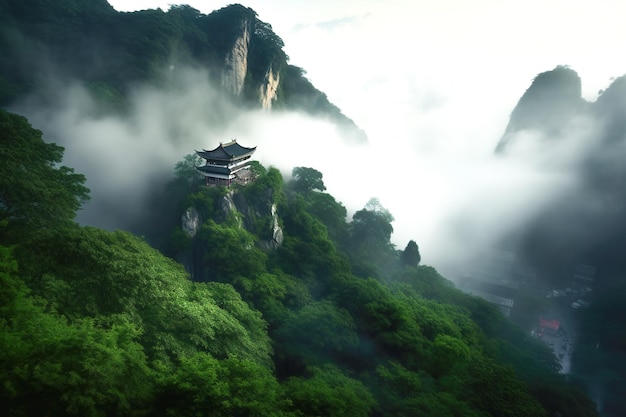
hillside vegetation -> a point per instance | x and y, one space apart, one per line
44 44
335 321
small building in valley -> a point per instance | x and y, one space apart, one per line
226 164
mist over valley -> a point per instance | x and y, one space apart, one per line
512 191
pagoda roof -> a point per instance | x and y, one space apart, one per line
214 169
227 151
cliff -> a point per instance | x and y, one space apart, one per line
236 62
253 212
269 88
110 53
256 78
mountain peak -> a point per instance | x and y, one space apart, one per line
551 100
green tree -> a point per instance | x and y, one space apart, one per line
185 170
89 272
411 254
317 333
307 252
332 214
266 291
229 252
448 352
203 385
83 367
307 179
371 226
370 247
328 392
508 397
267 186
36 193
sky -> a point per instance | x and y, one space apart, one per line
432 84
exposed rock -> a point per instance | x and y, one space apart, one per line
190 221
261 218
229 206
267 90
277 233
236 63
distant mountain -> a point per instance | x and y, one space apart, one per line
553 98
583 225
580 221
110 52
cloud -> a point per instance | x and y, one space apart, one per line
124 155
430 159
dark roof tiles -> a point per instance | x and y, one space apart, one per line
227 151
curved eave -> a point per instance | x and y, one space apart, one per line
228 152
221 171
222 158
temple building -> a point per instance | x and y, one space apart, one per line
228 163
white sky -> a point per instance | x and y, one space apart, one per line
434 82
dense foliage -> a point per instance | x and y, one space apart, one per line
333 322
35 193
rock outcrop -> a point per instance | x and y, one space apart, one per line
267 90
259 217
276 232
236 62
241 54
190 221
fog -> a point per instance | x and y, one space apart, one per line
432 86
454 199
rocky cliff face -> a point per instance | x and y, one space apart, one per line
268 89
236 68
276 232
190 222
241 54
236 62
258 217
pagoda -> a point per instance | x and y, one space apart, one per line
228 163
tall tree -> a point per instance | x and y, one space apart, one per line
307 179
35 191
411 254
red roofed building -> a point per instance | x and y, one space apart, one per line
549 324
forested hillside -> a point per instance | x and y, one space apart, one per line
46 44
334 321
274 301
